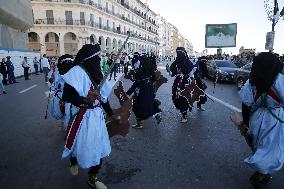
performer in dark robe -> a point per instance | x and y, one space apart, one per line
152 63
3 71
198 79
144 103
135 61
181 68
87 140
202 67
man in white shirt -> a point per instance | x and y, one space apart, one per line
45 67
2 89
26 67
36 65
126 63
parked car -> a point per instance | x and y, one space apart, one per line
223 69
242 75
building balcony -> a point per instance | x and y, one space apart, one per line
99 6
152 31
89 23
59 1
139 13
52 21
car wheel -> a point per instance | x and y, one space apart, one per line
240 83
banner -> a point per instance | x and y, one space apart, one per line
220 35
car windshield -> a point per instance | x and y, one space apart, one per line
225 64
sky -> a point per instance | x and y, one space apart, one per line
191 16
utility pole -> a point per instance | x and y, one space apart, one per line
272 9
275 10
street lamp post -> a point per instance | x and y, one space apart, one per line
275 10
274 16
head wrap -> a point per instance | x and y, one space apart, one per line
87 52
89 58
136 58
265 68
182 61
65 63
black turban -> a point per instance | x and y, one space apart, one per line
265 68
89 58
65 63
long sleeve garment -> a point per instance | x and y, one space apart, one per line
70 95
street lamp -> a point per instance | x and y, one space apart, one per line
273 15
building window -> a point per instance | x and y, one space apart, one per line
100 22
68 16
107 24
32 37
69 1
49 16
100 40
118 29
92 22
113 9
113 26
82 18
107 6
51 35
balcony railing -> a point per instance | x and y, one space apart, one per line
98 6
58 22
138 13
63 1
89 23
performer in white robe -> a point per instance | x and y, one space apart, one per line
65 63
57 107
87 140
263 114
56 90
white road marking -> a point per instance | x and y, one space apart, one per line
46 94
225 104
27 89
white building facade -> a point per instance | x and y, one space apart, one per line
188 47
164 37
64 26
170 39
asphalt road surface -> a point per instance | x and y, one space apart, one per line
207 152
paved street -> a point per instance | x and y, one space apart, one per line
207 152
